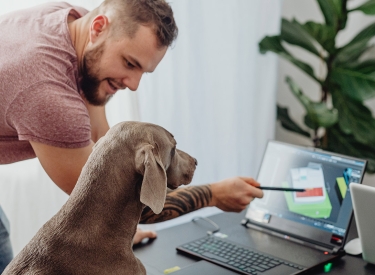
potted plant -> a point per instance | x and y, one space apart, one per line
339 121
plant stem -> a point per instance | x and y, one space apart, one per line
316 139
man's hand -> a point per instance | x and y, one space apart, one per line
234 194
143 234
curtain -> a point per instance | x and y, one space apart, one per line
213 91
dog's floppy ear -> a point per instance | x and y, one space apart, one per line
154 185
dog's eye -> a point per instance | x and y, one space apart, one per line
173 151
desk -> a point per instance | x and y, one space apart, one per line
161 253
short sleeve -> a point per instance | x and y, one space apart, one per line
52 113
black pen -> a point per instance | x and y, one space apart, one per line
281 189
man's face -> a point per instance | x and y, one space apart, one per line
111 64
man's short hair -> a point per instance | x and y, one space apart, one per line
127 15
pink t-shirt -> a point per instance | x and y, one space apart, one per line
39 94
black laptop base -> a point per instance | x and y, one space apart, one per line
238 258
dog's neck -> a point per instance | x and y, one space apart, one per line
99 191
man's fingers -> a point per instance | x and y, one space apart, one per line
255 192
251 181
246 202
258 193
143 234
147 234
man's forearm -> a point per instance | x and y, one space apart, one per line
180 202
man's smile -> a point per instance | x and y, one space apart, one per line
113 87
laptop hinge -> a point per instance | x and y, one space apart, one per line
244 222
337 250
331 250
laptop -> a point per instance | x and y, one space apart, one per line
364 204
294 232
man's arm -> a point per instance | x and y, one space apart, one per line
232 195
64 165
179 202
98 121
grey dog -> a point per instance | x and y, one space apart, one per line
130 167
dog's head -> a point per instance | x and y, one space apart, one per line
157 159
162 165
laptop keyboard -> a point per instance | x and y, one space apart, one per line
232 255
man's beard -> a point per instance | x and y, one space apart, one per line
89 81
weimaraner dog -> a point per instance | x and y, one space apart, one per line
130 167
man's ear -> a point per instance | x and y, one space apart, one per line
98 25
154 184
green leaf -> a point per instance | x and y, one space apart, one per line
345 144
318 114
355 118
273 44
323 34
350 53
288 123
366 8
356 80
295 34
333 13
365 35
357 46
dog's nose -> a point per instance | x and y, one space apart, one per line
196 162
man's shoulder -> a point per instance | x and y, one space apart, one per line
37 47
41 10
52 7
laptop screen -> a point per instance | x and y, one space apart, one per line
323 212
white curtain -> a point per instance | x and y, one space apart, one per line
213 91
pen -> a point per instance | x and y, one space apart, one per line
281 189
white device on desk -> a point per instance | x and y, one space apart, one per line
353 247
363 198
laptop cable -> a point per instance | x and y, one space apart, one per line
217 228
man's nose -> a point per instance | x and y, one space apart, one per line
132 81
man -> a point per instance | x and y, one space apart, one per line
59 66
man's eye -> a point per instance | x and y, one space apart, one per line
130 65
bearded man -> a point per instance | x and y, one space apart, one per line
59 65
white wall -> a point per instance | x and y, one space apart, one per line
308 10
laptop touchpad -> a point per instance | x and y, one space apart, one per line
204 267
207 268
